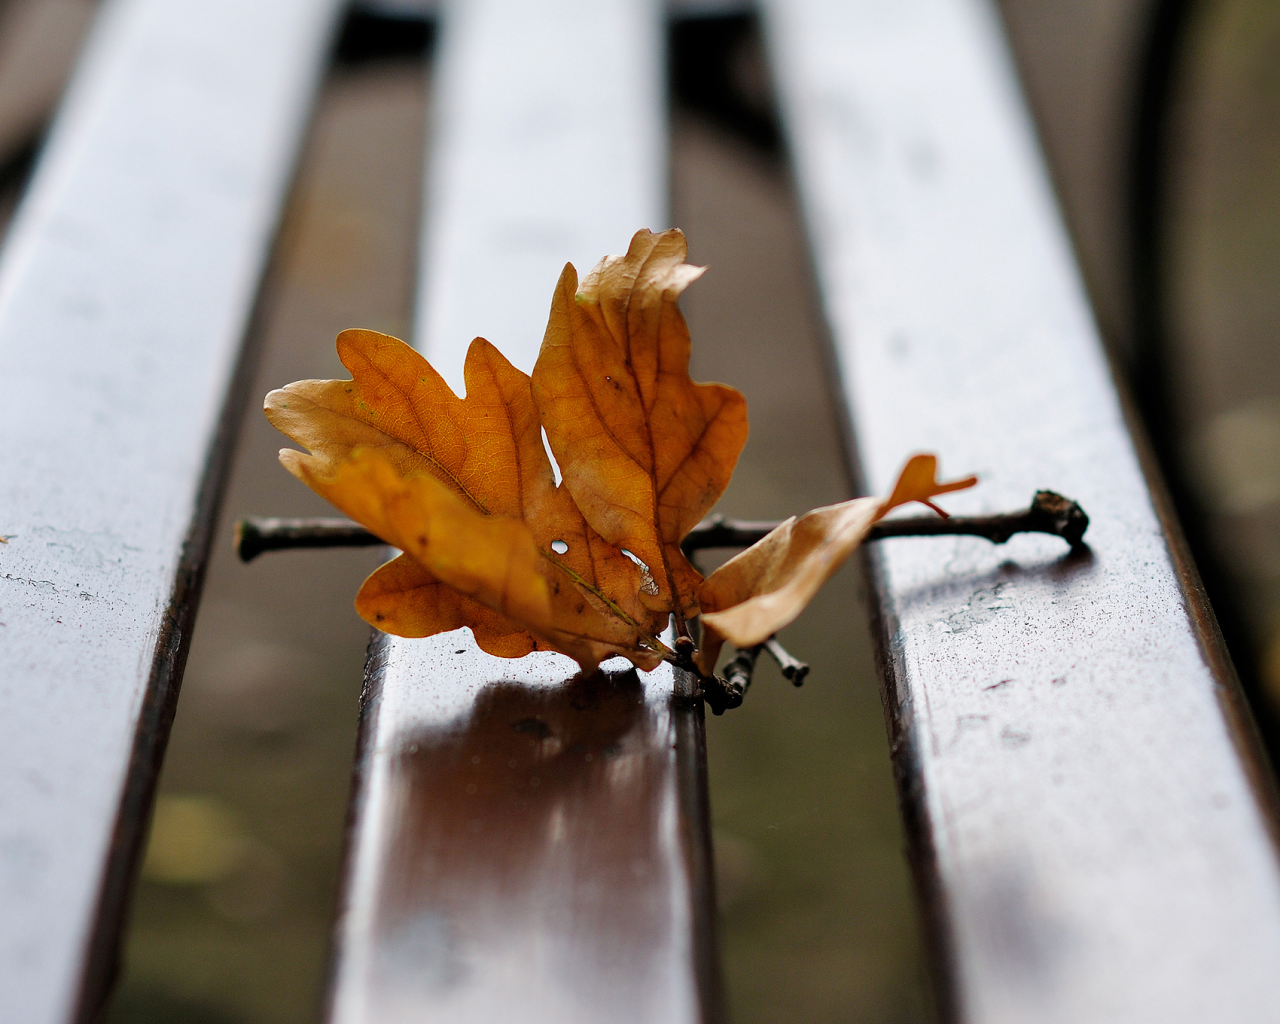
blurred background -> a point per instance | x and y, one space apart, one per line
1160 121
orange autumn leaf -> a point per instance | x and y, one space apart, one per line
766 586
487 450
490 560
403 598
591 567
645 451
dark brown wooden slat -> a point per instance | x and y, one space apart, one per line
525 843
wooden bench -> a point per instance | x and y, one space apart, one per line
1092 828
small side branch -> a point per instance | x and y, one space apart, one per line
724 694
792 668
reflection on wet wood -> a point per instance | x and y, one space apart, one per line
529 847
539 813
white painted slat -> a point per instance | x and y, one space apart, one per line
524 848
125 291
548 146
1086 828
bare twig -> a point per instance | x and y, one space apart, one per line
1049 513
725 694
793 668
719 532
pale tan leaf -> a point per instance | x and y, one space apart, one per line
765 587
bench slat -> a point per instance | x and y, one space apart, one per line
1088 825
523 846
125 292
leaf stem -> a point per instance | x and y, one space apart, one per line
668 655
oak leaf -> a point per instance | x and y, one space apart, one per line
490 560
766 586
374 441
590 567
403 598
645 451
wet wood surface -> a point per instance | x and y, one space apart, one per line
526 843
126 287
1092 827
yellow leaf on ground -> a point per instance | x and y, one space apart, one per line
765 587
486 448
644 450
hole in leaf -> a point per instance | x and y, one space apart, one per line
559 547
649 586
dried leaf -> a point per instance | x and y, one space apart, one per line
644 450
403 598
765 587
487 450
592 567
492 560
